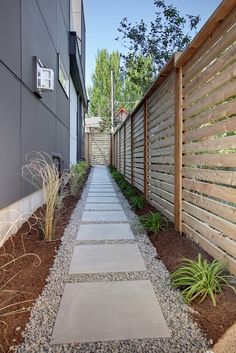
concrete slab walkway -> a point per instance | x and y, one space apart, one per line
107 292
110 310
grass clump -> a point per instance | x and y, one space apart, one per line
199 278
76 176
44 174
137 202
153 222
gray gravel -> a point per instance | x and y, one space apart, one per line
186 336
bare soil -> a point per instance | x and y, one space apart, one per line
31 277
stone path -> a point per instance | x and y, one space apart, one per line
107 311
107 292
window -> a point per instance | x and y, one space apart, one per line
63 77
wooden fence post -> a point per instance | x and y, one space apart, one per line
178 149
145 147
119 150
132 148
124 146
111 149
116 149
88 148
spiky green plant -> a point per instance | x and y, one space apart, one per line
199 278
124 185
129 192
117 176
153 222
137 202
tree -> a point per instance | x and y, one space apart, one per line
138 76
100 92
130 83
167 33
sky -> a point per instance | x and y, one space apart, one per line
102 19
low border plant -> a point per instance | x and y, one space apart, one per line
137 202
153 222
76 176
43 173
199 279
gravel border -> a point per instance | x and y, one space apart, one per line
108 277
186 336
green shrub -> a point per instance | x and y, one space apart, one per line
129 192
76 176
124 185
118 177
199 278
137 202
153 222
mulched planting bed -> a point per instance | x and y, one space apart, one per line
171 249
214 321
31 278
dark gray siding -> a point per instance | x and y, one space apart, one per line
10 91
30 28
10 35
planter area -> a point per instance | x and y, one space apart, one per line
171 248
24 278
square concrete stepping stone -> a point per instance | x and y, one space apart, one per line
102 191
104 216
93 183
106 258
104 232
103 199
102 187
101 194
105 311
103 206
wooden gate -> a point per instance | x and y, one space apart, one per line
97 148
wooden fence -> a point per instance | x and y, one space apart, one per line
97 148
178 147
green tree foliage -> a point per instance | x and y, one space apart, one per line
100 92
137 79
130 83
167 33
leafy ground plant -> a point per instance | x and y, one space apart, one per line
137 202
199 278
76 176
118 177
153 222
43 173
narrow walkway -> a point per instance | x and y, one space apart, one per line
107 292
114 310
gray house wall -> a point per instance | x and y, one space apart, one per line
30 28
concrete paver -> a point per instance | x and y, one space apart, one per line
103 206
102 199
104 232
106 258
101 194
106 311
104 216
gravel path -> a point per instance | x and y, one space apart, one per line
186 336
